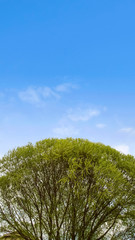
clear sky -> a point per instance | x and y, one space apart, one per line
67 69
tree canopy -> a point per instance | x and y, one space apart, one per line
67 189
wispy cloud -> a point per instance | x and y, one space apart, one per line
100 125
30 95
82 115
123 148
127 130
66 87
38 95
65 131
47 92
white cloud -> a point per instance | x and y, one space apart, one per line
122 148
37 95
30 95
47 92
65 87
100 125
82 115
65 131
127 130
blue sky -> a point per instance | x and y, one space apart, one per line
67 69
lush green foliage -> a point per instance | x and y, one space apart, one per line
67 189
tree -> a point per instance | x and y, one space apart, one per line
66 189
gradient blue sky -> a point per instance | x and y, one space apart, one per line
67 68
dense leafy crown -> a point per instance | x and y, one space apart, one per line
67 189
